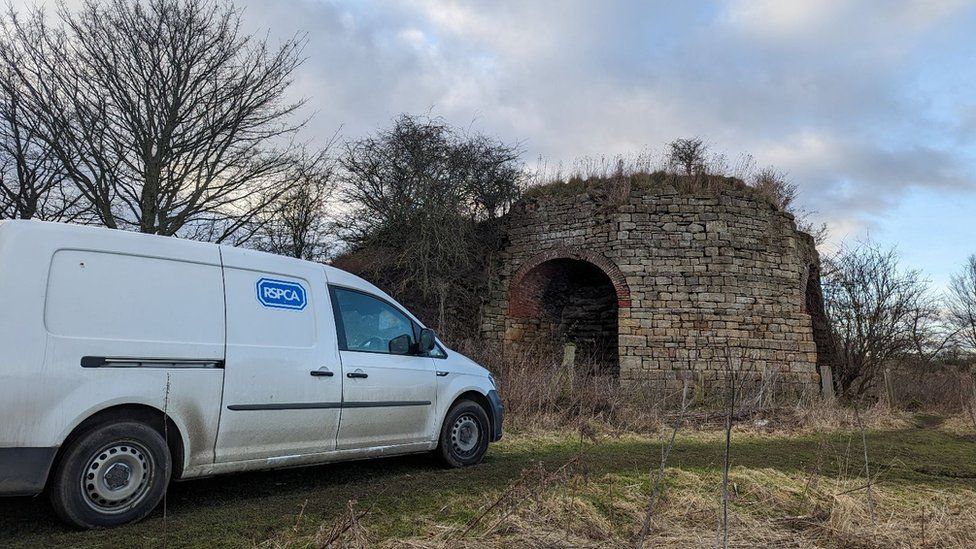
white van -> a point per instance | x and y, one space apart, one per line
127 360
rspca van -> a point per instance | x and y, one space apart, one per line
128 361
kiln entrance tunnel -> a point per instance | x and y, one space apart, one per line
575 300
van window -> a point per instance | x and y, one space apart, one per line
368 324
100 295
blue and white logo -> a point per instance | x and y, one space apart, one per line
281 294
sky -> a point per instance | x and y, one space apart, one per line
867 105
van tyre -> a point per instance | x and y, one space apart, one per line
464 435
111 475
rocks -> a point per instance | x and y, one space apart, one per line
692 276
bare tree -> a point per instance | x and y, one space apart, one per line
872 305
300 223
962 302
689 156
398 174
930 328
30 175
163 113
492 172
417 192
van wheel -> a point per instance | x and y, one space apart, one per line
464 436
111 475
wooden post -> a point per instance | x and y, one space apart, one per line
762 387
700 389
568 370
889 388
827 383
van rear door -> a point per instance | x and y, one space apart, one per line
282 378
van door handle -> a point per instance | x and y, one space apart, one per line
322 372
357 374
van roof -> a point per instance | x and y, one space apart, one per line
161 245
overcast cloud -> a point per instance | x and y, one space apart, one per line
858 101
868 105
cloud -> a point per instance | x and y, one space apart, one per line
859 100
782 20
873 179
829 23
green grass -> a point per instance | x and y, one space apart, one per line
246 509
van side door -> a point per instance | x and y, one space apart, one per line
389 393
282 377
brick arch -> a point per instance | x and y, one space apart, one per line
520 298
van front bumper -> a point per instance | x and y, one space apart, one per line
497 415
23 471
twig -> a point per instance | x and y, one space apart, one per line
852 490
665 453
867 467
166 438
351 518
301 513
511 490
923 527
730 387
818 466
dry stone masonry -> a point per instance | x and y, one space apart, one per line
659 285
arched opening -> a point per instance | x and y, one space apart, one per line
574 300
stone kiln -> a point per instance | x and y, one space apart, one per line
658 284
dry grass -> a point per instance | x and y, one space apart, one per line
769 508
825 503
609 176
960 424
538 399
817 417
541 395
933 387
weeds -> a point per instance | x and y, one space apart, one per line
538 399
820 504
867 463
665 453
731 388
566 506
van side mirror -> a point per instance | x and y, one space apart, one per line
428 340
400 345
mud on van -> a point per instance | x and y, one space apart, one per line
129 360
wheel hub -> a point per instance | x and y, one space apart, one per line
465 434
117 477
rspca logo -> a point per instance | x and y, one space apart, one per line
281 294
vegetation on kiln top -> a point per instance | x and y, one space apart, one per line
656 181
687 167
685 170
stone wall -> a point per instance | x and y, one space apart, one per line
693 275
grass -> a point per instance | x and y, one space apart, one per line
703 185
786 490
